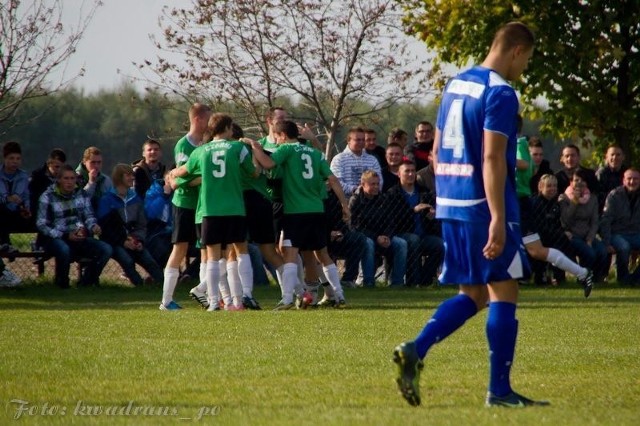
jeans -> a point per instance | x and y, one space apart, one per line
593 257
66 251
429 246
159 246
127 259
351 248
257 263
623 244
396 252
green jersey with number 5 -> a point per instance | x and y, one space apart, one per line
221 164
304 172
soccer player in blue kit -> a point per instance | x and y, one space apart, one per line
475 162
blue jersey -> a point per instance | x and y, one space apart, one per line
476 100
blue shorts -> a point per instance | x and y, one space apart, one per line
464 262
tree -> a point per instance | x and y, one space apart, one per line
33 43
586 62
324 54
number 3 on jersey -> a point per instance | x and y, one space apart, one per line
452 134
217 158
308 170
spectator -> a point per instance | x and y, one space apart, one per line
620 225
159 212
8 278
90 176
418 152
390 173
610 175
570 160
344 242
66 224
427 176
349 165
372 148
15 211
121 217
45 176
541 166
399 136
368 216
413 212
148 168
580 221
546 219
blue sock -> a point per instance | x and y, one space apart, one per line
450 315
502 331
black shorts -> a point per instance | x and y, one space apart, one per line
184 225
259 218
223 230
305 231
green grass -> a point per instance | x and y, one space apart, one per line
110 346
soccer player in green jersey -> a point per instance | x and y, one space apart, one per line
304 172
185 199
221 164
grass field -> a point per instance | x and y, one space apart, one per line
108 355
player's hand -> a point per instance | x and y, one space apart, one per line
346 214
93 175
496 241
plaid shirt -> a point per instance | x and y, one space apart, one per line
60 214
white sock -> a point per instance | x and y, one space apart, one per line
246 274
559 260
289 280
202 285
235 285
331 272
213 278
225 293
169 284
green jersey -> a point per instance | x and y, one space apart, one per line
523 176
257 183
273 181
221 164
304 172
184 196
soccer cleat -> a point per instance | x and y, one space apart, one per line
214 307
251 303
512 400
340 304
410 365
9 279
281 306
171 306
233 308
199 297
326 302
587 283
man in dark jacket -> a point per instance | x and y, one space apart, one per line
369 216
414 212
149 168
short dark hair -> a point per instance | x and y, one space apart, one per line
236 131
151 142
513 34
407 162
287 127
11 147
571 146
58 154
218 123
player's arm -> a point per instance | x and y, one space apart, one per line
334 183
494 174
258 153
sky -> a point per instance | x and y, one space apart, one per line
117 35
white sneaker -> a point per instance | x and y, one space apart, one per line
200 297
9 279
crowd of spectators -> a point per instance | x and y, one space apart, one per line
393 237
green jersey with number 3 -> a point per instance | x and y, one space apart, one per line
304 172
221 164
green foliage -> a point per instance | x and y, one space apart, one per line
110 346
586 64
